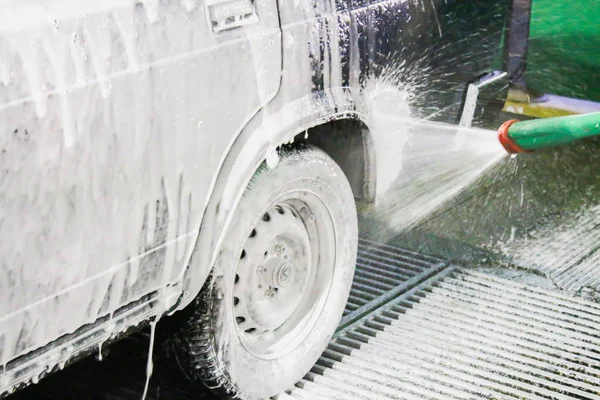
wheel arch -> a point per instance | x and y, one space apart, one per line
348 142
327 119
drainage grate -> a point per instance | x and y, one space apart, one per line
464 335
383 273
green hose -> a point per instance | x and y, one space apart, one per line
527 136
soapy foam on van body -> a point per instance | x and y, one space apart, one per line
103 185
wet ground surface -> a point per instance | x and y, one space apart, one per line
121 375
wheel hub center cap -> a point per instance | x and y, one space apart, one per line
285 274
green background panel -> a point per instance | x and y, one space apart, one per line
564 52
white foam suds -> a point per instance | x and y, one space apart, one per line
126 25
107 172
190 5
100 357
272 157
151 7
5 72
388 111
28 49
97 33
56 48
150 363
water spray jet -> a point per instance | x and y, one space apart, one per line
527 136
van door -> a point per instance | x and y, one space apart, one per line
114 119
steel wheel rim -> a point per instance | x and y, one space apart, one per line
282 277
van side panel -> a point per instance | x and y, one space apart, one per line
114 119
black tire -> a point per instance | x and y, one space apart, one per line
213 348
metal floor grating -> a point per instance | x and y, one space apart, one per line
464 335
382 271
568 254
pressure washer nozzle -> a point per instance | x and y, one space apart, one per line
527 136
508 144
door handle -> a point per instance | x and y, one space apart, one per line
230 14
